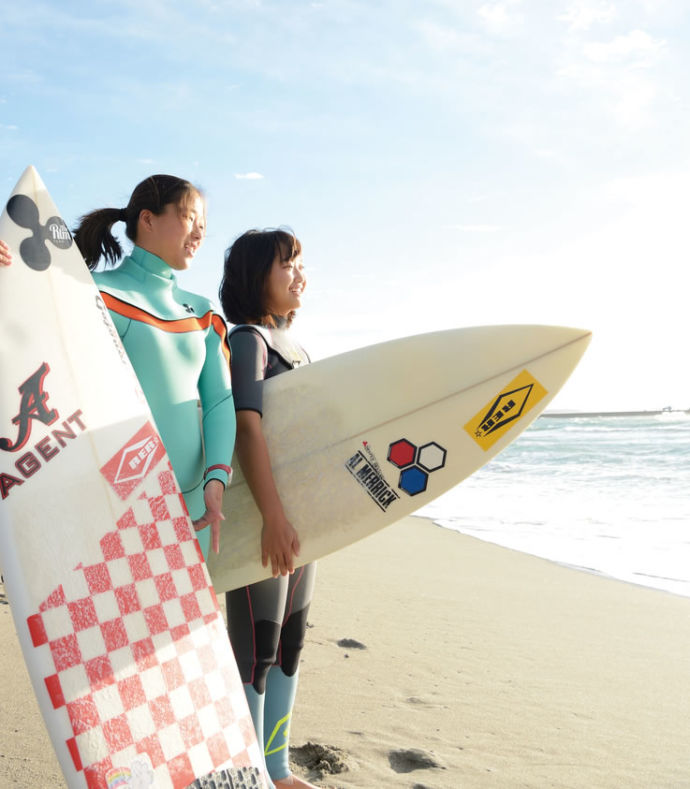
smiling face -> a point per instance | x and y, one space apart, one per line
176 234
284 285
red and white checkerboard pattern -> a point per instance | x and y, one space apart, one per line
144 671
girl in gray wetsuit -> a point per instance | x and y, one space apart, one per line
262 286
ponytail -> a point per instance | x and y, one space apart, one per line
95 239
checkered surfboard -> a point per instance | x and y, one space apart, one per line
119 624
141 676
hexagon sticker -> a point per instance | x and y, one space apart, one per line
416 463
413 480
401 453
431 456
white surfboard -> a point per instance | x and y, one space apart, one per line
119 626
361 439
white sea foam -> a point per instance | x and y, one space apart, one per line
607 494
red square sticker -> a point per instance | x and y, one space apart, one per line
133 462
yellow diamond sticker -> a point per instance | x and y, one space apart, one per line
506 409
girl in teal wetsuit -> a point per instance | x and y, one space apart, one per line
176 342
262 287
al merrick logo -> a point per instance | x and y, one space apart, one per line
365 469
125 470
507 407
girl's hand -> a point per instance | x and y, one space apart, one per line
279 545
5 254
213 499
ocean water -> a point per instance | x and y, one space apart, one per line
605 494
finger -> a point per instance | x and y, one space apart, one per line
212 515
215 536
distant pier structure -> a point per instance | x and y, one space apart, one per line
573 414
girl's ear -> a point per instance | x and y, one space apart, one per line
145 221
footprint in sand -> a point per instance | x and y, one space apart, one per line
350 643
320 760
407 760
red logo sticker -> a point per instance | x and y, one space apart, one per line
132 463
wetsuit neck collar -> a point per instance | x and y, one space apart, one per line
151 263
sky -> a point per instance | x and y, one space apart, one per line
445 163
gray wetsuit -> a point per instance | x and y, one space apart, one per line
266 620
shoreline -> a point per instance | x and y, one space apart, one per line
656 583
434 659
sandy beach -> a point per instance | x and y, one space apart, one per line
435 660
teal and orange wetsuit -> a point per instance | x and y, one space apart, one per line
178 347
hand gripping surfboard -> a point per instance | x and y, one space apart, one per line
118 622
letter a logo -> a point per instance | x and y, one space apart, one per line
33 405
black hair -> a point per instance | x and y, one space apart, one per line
94 235
248 263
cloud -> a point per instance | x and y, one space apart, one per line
582 14
620 76
445 38
439 37
248 176
637 48
662 194
501 18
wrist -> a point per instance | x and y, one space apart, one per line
274 517
219 472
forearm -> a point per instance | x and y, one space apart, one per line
279 540
255 462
